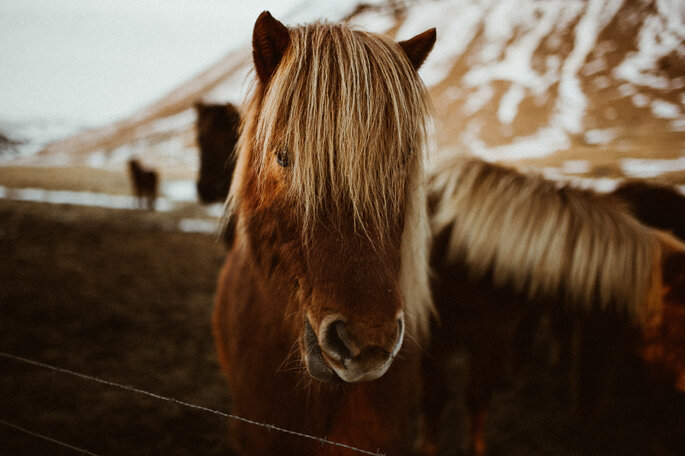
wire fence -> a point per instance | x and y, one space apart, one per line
45 437
132 389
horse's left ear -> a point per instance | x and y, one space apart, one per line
270 40
418 48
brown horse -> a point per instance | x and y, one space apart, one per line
509 245
662 344
325 290
217 129
144 183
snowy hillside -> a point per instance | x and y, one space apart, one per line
576 87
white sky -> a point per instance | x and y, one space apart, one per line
90 62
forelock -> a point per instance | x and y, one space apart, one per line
351 113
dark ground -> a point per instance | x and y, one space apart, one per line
122 296
115 295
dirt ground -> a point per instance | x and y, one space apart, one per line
122 296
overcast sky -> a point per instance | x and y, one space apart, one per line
90 62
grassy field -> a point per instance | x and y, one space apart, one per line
116 295
122 296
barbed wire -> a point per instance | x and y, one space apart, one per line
270 427
45 437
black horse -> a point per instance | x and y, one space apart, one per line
217 133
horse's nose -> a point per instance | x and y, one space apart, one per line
338 343
360 352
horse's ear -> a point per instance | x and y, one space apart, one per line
270 39
418 48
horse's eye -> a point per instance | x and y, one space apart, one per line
282 157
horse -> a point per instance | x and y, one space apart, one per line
656 205
324 296
144 183
217 129
510 245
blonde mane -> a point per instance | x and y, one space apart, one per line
351 115
546 239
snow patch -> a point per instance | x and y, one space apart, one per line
170 202
70 197
453 40
602 82
194 225
570 108
180 190
595 66
627 89
678 125
516 64
478 99
542 143
508 106
665 110
575 167
372 21
596 136
215 210
640 100
643 168
601 184
662 33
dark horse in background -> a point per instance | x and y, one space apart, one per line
217 129
324 295
663 207
510 246
657 205
144 183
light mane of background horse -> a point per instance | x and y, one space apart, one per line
337 93
547 239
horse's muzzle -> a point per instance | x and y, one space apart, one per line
316 365
337 355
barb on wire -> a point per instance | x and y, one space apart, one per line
185 404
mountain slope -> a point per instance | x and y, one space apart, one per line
583 87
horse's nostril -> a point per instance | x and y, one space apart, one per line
336 342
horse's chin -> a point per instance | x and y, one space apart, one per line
316 365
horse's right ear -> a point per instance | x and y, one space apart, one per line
270 39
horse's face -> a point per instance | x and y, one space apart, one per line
217 132
335 258
342 288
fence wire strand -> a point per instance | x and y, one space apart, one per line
45 437
91 378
